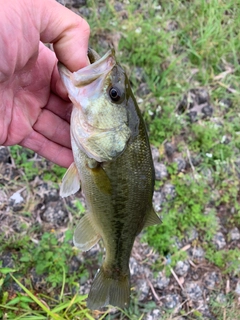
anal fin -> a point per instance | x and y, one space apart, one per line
85 236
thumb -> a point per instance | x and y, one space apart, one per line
68 32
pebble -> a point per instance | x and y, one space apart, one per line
154 315
3 198
171 301
161 282
234 234
55 214
211 279
202 307
155 154
193 116
182 268
78 3
207 111
206 173
197 253
142 288
157 200
192 291
4 155
237 289
200 95
219 240
192 234
168 191
47 193
181 164
139 269
221 298
169 149
7 260
226 103
16 201
160 171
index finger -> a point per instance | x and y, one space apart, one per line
68 32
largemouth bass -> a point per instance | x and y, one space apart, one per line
113 165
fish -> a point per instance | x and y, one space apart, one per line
113 166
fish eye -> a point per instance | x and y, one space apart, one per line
115 94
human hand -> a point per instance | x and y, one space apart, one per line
34 107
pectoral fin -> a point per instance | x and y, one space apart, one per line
85 236
70 182
152 219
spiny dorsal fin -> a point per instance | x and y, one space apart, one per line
152 219
70 182
85 236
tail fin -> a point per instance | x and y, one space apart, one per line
108 291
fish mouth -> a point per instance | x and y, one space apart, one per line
91 72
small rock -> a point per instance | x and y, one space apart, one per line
207 175
142 289
196 159
182 268
161 282
221 298
157 200
7 260
47 193
55 214
74 265
177 243
192 234
139 74
237 289
3 199
192 291
193 116
160 171
171 301
78 3
168 191
172 25
207 111
219 240
197 253
169 149
38 281
155 154
234 234
118 6
202 307
226 103
4 155
181 164
210 280
16 201
139 269
85 288
84 11
201 95
154 315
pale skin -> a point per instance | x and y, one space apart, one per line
34 107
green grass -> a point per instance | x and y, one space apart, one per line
176 45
